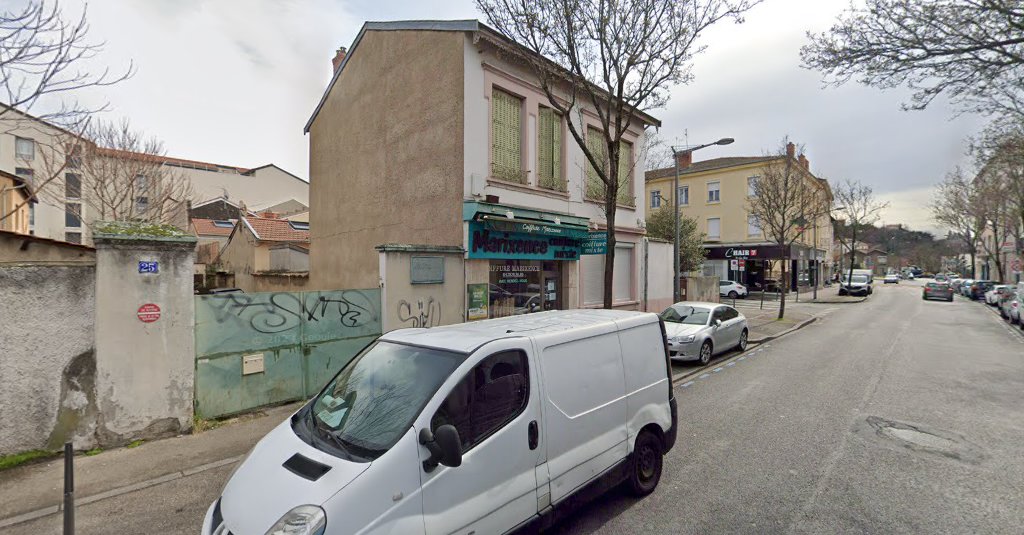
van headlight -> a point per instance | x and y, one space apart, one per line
303 520
682 339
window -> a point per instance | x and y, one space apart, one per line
683 194
506 133
752 186
31 214
223 223
729 313
73 214
73 237
24 172
25 149
549 150
72 186
595 186
714 228
298 225
625 174
74 157
718 314
713 191
141 205
753 226
656 199
487 398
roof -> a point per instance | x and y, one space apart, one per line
467 337
40 239
24 186
210 227
707 165
266 229
466 25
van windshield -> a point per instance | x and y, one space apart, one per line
687 315
372 402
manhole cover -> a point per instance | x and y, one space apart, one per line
923 439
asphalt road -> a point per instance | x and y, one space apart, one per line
890 416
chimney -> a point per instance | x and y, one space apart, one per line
791 150
804 162
268 215
684 159
339 57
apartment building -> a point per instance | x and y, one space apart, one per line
441 174
717 192
50 158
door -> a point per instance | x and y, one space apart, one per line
732 324
719 334
551 284
494 407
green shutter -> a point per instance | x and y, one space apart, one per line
625 170
549 154
506 133
595 142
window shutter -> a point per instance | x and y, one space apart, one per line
625 167
506 130
595 142
556 151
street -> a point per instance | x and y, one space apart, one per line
894 415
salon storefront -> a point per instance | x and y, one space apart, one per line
520 261
757 266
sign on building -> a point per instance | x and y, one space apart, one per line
596 243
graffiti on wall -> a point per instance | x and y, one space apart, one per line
424 313
278 312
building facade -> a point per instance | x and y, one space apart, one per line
717 194
435 151
16 202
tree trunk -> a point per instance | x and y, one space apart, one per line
973 264
853 259
785 286
609 259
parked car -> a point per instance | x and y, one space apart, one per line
978 288
892 278
937 290
1009 306
443 430
992 296
965 287
698 331
731 289
941 278
858 285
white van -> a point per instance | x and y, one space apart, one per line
481 427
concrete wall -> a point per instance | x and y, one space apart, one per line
144 371
404 304
658 275
700 289
47 365
288 258
386 155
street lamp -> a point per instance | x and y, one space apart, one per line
675 194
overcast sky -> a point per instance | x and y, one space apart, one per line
234 82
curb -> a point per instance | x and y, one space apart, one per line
796 327
861 300
54 509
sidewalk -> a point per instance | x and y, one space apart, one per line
764 324
35 490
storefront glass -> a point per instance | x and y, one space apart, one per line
523 286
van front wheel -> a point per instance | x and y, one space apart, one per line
646 464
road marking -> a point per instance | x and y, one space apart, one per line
742 358
686 384
705 376
716 370
731 364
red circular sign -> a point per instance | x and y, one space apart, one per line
149 312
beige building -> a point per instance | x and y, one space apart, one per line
716 193
441 173
267 254
43 154
16 202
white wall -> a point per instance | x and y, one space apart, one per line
264 187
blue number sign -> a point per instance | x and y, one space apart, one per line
149 267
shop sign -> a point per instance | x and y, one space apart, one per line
486 243
740 253
476 299
596 243
535 228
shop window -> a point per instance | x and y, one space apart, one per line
714 191
506 135
655 199
490 396
714 228
515 287
549 150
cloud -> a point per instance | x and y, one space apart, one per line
910 208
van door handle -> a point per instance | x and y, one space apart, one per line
533 434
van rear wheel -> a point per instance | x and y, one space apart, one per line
646 464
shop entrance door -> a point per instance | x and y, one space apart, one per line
551 285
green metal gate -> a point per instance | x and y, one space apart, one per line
301 339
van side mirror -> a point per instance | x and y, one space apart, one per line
445 447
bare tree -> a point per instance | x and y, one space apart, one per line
971 50
857 201
123 177
1000 151
657 153
616 57
954 206
43 54
785 199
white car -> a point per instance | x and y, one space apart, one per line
731 289
892 278
481 427
698 331
992 296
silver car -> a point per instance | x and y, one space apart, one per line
697 330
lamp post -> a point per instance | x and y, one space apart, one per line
675 195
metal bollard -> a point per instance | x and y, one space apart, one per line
69 489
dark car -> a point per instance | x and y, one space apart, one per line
978 289
937 290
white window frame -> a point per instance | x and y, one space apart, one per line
755 225
685 188
717 191
751 180
656 198
715 236
31 154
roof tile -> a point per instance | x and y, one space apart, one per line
276 230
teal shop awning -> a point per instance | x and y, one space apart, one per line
524 220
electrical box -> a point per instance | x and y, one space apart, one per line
252 364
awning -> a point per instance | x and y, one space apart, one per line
524 220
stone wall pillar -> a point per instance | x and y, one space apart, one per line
145 348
